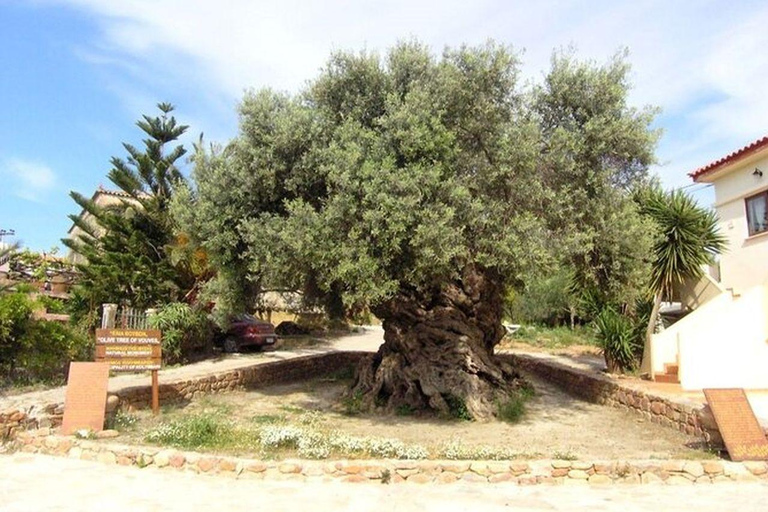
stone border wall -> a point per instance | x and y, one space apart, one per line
257 375
694 420
521 472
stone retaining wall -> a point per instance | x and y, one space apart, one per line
257 375
396 471
693 419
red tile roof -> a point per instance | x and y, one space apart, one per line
730 158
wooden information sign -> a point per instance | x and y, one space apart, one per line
129 349
132 350
744 437
86 397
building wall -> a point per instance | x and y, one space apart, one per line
745 262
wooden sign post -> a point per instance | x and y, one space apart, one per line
131 350
742 434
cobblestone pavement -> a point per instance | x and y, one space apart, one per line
41 483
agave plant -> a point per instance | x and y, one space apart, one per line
688 241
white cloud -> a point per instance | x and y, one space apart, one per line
701 62
26 179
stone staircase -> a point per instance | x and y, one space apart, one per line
670 374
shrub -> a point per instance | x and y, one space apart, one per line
513 409
617 336
34 350
186 331
191 433
545 300
457 407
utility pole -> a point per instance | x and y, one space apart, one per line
3 233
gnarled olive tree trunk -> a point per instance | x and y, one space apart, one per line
438 350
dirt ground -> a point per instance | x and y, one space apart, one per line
555 425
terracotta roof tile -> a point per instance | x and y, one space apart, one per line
730 158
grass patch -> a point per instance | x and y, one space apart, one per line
262 419
353 404
553 337
513 409
404 410
193 432
457 407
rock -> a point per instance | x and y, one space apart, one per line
256 467
112 402
176 460
51 442
355 479
447 477
650 478
420 478
288 468
500 477
107 434
560 472
519 467
604 468
755 467
455 467
205 464
693 468
481 468
578 474
581 465
599 479
352 470
561 464
162 459
75 452
227 466
106 458
313 471
405 473
712 467
673 466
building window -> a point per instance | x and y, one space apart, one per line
757 213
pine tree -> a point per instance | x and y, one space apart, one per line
126 246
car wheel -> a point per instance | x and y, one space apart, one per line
230 345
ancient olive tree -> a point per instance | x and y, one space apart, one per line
418 186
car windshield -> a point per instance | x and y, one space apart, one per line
247 318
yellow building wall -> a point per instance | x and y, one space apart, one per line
745 261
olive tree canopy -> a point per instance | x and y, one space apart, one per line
420 186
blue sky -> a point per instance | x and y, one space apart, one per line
76 74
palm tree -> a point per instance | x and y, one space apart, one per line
688 240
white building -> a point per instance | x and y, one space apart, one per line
724 341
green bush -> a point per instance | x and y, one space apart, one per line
618 337
199 431
513 409
186 331
457 407
546 300
34 350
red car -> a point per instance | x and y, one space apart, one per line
247 331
